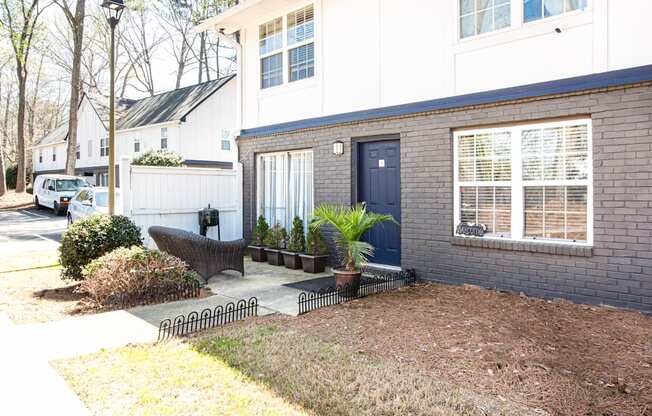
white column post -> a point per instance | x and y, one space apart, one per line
125 185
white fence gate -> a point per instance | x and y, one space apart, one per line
172 196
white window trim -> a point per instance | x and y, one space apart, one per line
285 49
137 141
516 184
259 173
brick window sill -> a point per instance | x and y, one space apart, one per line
532 247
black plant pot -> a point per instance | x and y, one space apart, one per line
313 264
274 256
292 260
258 253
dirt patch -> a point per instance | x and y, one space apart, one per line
13 200
565 358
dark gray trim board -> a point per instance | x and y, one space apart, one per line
562 86
193 163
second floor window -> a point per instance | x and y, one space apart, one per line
136 145
225 142
78 151
40 156
540 9
483 16
164 138
54 154
104 147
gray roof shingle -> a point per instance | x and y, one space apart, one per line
168 106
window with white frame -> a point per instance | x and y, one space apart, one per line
54 154
77 151
104 147
285 186
298 50
526 182
225 140
164 138
90 148
136 145
540 9
483 16
40 155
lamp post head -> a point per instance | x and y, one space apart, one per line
113 10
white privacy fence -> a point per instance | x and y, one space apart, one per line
172 196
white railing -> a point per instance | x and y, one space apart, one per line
172 196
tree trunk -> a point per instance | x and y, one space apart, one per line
3 179
20 129
75 86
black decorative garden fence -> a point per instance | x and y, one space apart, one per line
376 283
207 318
156 294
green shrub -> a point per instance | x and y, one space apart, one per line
133 272
161 157
315 245
297 241
260 232
92 237
276 237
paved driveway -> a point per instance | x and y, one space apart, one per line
26 230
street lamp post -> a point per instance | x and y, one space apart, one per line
113 11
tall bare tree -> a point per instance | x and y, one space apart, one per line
18 21
76 23
3 179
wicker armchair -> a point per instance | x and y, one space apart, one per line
206 256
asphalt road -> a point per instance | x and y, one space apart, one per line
29 229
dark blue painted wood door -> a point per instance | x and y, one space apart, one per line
379 185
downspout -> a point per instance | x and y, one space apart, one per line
234 41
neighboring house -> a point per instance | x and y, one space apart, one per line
49 153
198 122
532 118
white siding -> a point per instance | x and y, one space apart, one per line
90 128
150 139
374 53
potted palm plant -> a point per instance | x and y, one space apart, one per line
316 256
351 224
274 242
296 244
258 236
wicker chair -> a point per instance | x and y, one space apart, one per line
206 256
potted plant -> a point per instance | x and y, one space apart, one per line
350 224
274 242
296 244
257 247
316 256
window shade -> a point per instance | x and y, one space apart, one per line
301 25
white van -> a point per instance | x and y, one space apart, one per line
55 191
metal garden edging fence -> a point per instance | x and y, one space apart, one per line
379 282
156 294
207 318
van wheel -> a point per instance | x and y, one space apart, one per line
38 206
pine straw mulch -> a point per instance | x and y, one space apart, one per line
565 358
13 200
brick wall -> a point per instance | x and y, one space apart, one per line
617 271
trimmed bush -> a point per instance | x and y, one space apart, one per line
133 272
297 240
91 238
315 245
161 157
259 233
276 237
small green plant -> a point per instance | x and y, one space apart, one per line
276 237
260 232
133 271
161 157
91 238
297 241
315 245
351 224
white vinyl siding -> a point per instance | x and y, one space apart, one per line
540 9
285 186
483 16
526 182
90 148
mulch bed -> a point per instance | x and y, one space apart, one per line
12 200
565 358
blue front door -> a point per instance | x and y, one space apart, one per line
379 185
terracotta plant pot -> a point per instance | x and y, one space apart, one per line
274 256
291 260
258 253
313 264
348 281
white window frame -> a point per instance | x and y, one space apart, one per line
543 17
517 183
164 136
40 155
137 145
285 49
78 151
104 147
475 15
54 154
260 182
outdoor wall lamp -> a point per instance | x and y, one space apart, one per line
338 148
